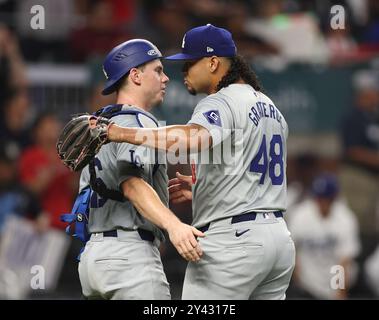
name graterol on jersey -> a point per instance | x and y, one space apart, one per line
261 110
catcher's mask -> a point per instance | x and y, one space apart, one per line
125 56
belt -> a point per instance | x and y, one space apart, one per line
144 234
249 216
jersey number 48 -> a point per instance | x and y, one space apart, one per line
272 160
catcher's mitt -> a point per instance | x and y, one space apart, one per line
80 141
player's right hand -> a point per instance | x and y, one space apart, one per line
183 237
180 188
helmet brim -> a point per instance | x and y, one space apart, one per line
109 86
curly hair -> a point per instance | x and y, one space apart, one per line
239 69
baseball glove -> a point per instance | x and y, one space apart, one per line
81 139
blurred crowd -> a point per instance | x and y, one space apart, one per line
333 203
293 30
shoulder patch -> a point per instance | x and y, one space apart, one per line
145 121
213 117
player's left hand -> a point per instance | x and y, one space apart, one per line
114 132
180 188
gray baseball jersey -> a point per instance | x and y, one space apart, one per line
248 157
115 163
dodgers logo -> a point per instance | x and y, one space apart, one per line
213 117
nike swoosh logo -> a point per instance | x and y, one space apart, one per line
238 234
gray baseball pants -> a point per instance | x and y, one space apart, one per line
245 260
122 268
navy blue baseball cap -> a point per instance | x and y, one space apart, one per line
325 186
206 41
125 56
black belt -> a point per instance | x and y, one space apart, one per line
249 216
144 234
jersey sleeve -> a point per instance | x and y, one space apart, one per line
133 160
214 114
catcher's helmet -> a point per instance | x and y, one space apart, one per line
125 56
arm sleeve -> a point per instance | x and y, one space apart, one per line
214 114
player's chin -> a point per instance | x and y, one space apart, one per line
160 97
191 90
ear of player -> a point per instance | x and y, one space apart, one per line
81 139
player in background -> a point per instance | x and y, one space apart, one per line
248 250
326 233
